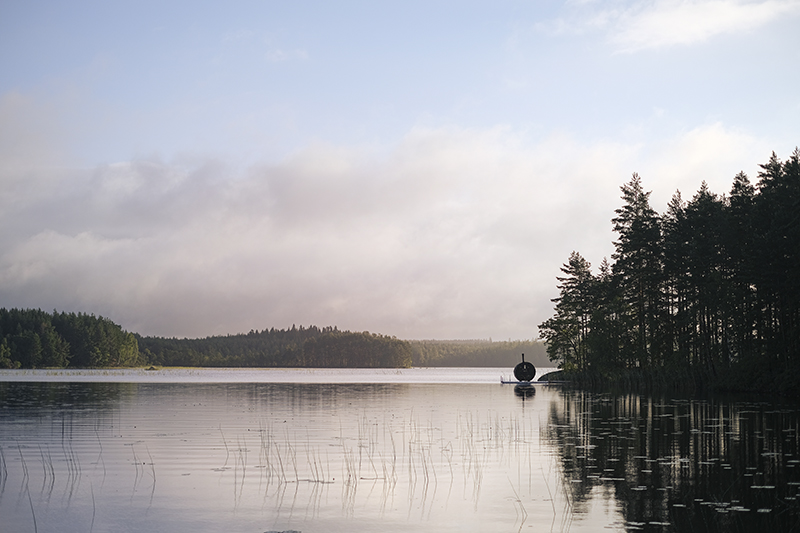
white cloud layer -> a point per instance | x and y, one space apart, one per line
453 233
639 25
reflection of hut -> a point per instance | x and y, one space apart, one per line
524 371
524 390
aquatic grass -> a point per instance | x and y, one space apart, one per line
24 465
375 463
3 473
366 461
153 473
33 513
630 448
282 477
227 450
136 471
522 514
377 458
25 479
99 459
291 453
49 472
71 459
94 508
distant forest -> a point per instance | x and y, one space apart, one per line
32 338
328 347
707 292
477 353
295 347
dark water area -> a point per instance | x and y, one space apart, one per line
344 457
681 464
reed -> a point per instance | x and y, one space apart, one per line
94 508
25 480
152 472
3 472
227 451
49 472
522 514
374 459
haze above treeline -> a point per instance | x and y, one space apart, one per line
31 338
204 168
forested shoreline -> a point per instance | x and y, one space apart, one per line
329 347
478 352
31 338
295 347
706 294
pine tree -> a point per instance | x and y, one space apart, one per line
708 275
567 332
639 266
677 286
777 256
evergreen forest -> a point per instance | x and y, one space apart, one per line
705 294
479 352
294 347
329 347
32 338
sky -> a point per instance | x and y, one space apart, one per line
415 169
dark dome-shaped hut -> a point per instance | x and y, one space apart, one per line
524 371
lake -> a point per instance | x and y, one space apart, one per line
329 450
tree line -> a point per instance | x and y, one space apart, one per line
478 352
710 288
295 347
31 338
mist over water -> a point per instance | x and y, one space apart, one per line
334 455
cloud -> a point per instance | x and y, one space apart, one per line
451 233
445 236
675 22
710 153
640 25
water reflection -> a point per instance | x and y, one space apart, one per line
680 464
187 457
327 457
37 397
525 391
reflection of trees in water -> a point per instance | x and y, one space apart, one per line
63 414
702 465
30 398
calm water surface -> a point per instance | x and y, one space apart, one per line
382 450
